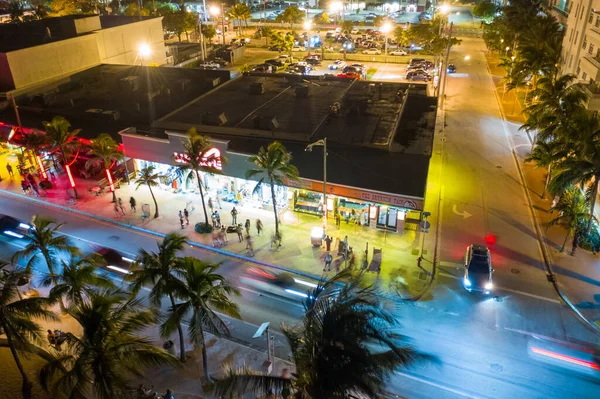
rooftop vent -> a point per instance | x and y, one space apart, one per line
302 91
211 119
257 88
265 123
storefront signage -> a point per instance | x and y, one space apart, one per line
388 199
211 159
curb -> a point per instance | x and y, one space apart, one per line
550 275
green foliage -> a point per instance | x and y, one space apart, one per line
572 208
209 32
284 42
347 26
485 10
133 10
203 228
322 18
292 15
146 176
240 12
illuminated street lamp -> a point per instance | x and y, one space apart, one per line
385 29
307 26
467 57
336 7
444 10
144 51
215 11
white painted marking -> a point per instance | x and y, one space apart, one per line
440 386
530 334
118 269
464 214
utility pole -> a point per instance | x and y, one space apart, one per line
445 68
322 143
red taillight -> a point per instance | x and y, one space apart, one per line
565 358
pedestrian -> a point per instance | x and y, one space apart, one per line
328 259
117 210
247 226
338 220
121 207
210 204
259 226
181 219
249 245
9 168
219 201
186 214
213 217
328 243
25 187
169 395
224 234
238 230
218 219
234 214
132 204
52 176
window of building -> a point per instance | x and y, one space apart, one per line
578 67
597 21
591 18
584 42
598 53
576 36
570 60
591 49
584 76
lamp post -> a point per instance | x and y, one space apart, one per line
215 12
444 10
386 28
322 143
144 51
307 26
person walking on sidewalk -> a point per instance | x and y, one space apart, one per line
9 168
338 220
186 214
213 216
224 234
132 204
238 230
117 211
328 259
234 214
210 204
121 207
259 226
247 226
217 219
328 243
181 219
219 201
249 245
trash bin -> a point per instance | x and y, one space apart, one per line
169 346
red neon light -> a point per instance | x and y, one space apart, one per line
68 168
566 358
41 167
211 159
110 180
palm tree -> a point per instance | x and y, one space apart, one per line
330 348
148 177
240 12
273 163
545 154
99 363
45 241
158 269
62 139
197 159
572 209
17 318
201 290
78 278
582 165
105 153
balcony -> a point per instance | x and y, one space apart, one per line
593 92
595 61
560 11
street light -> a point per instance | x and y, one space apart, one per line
307 26
444 8
215 11
386 28
467 57
144 51
322 143
336 7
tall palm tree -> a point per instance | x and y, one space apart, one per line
33 143
240 12
273 164
77 279
148 177
105 153
201 290
330 347
582 165
196 148
546 154
62 139
17 318
100 363
159 269
44 241
572 209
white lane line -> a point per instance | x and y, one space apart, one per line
269 296
535 335
442 387
543 298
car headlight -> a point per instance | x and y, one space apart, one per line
466 282
489 286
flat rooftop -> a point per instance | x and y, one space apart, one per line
109 98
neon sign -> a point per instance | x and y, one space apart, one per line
211 159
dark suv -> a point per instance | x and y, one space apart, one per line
478 269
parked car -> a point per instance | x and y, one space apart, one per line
220 61
312 61
478 269
354 31
275 63
337 64
418 75
349 75
451 68
416 61
296 49
372 51
304 69
209 65
264 68
275 48
398 52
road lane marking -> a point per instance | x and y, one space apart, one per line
440 386
535 335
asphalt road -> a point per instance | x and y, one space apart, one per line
481 342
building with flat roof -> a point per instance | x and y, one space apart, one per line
379 140
39 51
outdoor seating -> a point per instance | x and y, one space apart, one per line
375 265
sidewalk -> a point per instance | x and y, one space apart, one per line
578 276
400 250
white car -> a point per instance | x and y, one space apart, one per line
354 31
372 51
398 52
298 48
337 64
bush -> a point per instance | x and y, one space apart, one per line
588 241
203 228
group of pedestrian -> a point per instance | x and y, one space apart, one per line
211 204
184 218
219 237
216 219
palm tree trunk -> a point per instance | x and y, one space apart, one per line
204 357
26 387
592 205
565 241
155 203
547 181
274 208
48 260
180 332
202 197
